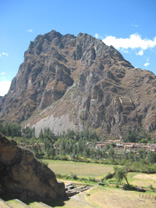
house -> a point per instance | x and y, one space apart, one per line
100 146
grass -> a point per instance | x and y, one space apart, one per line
36 205
16 204
142 179
117 198
100 196
80 169
72 203
3 205
97 171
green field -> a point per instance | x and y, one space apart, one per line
100 196
81 169
97 171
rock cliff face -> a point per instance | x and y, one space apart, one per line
23 176
68 82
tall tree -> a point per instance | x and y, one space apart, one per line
120 174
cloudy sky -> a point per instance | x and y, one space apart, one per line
129 26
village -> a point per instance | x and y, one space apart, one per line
118 146
122 146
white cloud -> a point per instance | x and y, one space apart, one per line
98 36
4 54
30 30
135 25
146 64
2 73
133 42
4 87
125 50
140 53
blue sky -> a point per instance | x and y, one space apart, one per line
128 25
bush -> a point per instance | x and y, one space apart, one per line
129 187
92 179
151 187
133 188
74 176
59 176
84 179
109 176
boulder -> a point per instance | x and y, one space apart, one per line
24 177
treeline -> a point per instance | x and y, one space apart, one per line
75 146
67 145
15 130
10 130
140 136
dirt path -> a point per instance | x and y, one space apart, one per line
81 198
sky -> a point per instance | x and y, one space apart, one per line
128 25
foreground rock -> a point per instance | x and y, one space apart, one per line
23 176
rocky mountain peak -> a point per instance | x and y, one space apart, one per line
79 82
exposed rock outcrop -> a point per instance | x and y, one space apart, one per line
24 177
68 82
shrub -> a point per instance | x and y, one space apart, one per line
128 187
84 179
109 176
74 176
92 179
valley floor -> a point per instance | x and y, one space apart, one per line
97 196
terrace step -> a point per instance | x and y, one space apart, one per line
16 203
39 205
45 205
4 204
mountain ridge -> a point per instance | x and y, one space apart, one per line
68 82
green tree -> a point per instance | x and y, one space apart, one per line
120 174
131 136
111 152
151 157
142 153
28 132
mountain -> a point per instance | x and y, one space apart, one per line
1 97
68 82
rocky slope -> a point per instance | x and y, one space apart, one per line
1 99
22 176
68 82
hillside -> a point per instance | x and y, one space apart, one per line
68 82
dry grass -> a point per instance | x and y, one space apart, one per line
144 180
16 204
2 205
114 198
36 205
145 177
74 204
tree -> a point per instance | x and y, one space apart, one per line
120 174
131 136
28 132
111 152
151 157
142 153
